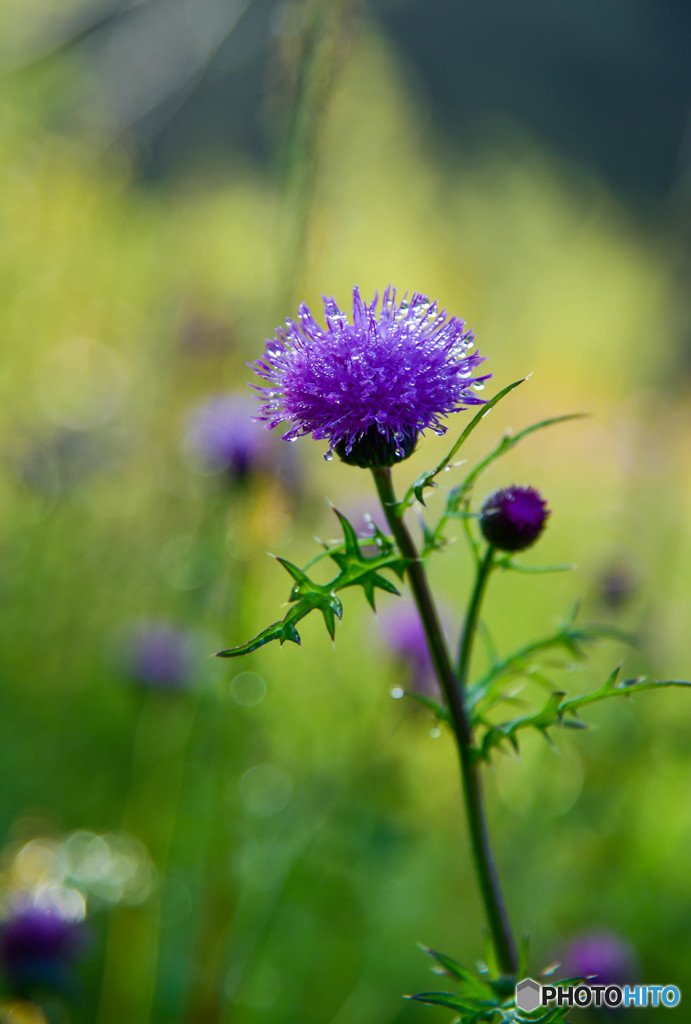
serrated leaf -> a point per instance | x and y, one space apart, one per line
568 637
355 569
349 535
614 689
556 708
425 480
303 586
280 631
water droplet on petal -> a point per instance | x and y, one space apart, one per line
328 456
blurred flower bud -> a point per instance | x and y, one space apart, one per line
615 587
602 954
512 519
405 637
38 946
225 438
159 656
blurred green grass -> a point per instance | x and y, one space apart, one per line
123 305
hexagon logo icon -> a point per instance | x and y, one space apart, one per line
527 995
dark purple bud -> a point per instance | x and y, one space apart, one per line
160 656
38 946
512 519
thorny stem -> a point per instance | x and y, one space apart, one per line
453 690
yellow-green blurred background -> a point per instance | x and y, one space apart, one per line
174 178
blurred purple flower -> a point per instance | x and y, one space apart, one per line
159 656
601 953
370 387
405 637
38 946
223 434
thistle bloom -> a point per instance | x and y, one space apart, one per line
37 947
369 387
512 519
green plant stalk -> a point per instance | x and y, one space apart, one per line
484 569
483 857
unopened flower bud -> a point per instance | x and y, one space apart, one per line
512 519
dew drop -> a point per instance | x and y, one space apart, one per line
328 457
478 387
435 733
397 692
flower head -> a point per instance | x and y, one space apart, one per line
224 436
159 656
369 387
38 945
512 519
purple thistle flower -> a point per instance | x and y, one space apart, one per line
159 657
369 387
512 519
602 953
224 434
37 947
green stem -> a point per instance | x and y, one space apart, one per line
470 629
452 688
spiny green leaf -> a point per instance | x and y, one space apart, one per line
303 584
556 708
355 569
569 637
614 689
427 479
350 538
281 631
